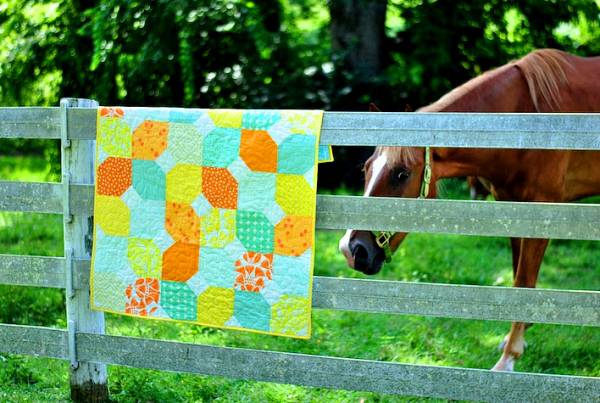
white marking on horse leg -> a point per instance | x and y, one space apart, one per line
376 170
344 246
513 348
505 363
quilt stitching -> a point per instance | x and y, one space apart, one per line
207 216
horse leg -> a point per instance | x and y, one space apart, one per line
515 244
529 261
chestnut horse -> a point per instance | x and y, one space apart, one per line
543 81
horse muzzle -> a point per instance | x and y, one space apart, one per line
361 251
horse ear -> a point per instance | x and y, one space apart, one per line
373 108
408 108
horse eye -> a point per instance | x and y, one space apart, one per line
402 175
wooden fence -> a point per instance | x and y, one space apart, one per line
89 349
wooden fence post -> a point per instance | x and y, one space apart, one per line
88 380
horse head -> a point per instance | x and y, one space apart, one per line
389 172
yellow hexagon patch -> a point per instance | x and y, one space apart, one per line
294 195
227 118
215 306
184 183
112 215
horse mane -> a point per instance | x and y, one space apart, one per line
544 71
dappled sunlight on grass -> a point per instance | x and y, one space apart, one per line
554 349
31 234
492 341
571 265
26 169
32 379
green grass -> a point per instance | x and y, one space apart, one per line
409 339
27 169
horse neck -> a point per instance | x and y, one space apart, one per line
500 90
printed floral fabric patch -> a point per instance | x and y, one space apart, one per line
207 216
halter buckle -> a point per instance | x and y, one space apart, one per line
383 238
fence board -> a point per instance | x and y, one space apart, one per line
486 130
44 197
302 369
81 123
392 297
30 123
41 271
40 197
338 373
33 340
467 217
529 220
458 301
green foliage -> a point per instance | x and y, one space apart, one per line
15 372
29 379
190 53
267 54
437 45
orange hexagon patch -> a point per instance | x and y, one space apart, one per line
219 187
293 235
180 262
149 140
182 223
258 150
114 176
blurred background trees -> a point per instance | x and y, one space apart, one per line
335 55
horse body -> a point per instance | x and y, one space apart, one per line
543 81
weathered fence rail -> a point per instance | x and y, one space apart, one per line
302 369
549 220
477 130
375 296
527 220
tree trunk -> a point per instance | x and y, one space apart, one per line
357 34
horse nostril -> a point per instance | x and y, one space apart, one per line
360 254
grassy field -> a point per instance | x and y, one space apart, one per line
408 339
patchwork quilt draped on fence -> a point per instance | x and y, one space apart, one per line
207 216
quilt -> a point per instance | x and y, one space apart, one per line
207 216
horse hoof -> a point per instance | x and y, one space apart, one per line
505 364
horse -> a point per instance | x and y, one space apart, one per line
545 80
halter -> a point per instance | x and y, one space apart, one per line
382 238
